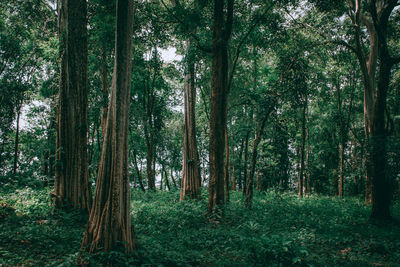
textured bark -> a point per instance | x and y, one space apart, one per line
375 94
191 179
72 186
219 95
109 225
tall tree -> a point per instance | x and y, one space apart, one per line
222 30
109 225
72 180
191 166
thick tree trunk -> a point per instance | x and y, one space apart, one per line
218 102
381 184
109 225
191 179
72 186
377 182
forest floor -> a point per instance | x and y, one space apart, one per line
280 230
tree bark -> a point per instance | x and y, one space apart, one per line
191 179
72 187
375 94
109 225
218 102
233 170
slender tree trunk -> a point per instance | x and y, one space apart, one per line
109 226
166 177
226 167
233 170
302 150
172 178
240 163
246 157
308 184
104 89
16 150
151 181
218 102
257 139
139 176
161 181
191 179
72 187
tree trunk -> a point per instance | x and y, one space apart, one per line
109 225
16 152
139 176
302 149
233 170
191 179
226 167
257 139
246 157
104 89
218 102
172 178
72 187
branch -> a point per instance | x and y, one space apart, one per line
200 46
256 20
229 20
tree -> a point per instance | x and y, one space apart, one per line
72 181
109 225
191 166
222 29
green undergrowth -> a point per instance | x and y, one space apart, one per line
279 230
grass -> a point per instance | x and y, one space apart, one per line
280 230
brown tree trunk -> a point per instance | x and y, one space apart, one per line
218 102
226 167
109 226
72 186
191 179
